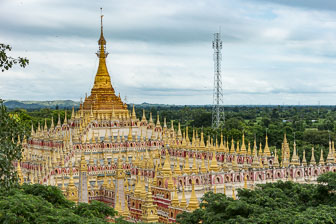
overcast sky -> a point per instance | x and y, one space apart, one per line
274 51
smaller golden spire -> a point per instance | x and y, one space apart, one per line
187 136
222 144
106 138
234 164
193 202
122 137
175 202
118 136
304 161
19 172
321 163
187 167
59 121
255 162
130 134
267 151
105 182
275 160
295 158
71 190
249 150
153 136
214 165
261 162
143 119
166 170
202 145
179 133
183 202
170 182
177 169
111 185
45 124
133 113
312 160
65 118
158 120
150 118
330 156
232 146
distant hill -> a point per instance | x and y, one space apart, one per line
33 105
68 104
62 104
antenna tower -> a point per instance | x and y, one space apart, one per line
218 117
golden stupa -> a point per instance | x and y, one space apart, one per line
103 99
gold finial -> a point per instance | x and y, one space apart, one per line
102 40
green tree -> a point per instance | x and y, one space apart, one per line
10 128
7 62
94 209
10 131
46 204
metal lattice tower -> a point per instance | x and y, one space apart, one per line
218 108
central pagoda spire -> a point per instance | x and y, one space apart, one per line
103 98
102 79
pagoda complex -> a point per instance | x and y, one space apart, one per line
149 171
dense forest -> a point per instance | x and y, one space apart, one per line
310 126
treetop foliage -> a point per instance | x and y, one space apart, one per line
46 204
280 202
7 62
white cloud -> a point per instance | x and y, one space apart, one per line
160 51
